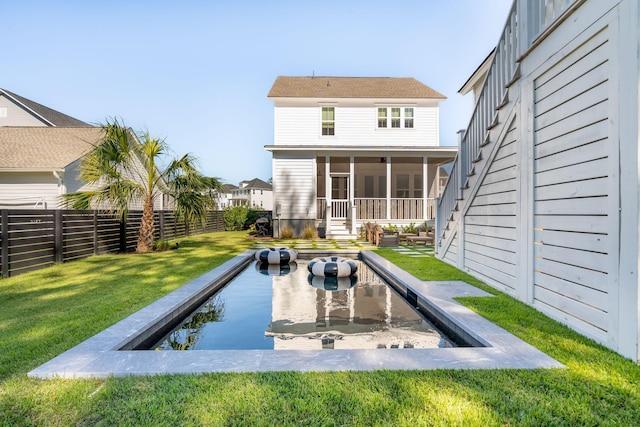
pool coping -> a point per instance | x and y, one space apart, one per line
100 356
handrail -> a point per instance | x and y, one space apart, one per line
522 30
501 74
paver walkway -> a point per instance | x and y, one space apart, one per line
301 244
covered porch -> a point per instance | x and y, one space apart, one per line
396 189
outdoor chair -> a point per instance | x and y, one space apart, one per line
388 238
262 227
424 237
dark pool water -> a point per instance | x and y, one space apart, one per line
284 308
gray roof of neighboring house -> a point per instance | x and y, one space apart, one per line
52 117
256 183
227 188
351 87
38 147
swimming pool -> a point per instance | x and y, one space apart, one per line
110 352
273 307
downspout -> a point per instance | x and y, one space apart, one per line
62 189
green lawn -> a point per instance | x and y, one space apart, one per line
49 311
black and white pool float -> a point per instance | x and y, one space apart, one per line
334 266
276 255
332 283
276 269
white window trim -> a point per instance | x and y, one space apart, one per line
389 117
320 121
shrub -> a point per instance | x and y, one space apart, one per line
309 232
391 227
411 228
235 217
286 233
163 245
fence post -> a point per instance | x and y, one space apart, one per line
4 238
123 234
58 248
95 232
161 224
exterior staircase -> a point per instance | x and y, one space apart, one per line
493 115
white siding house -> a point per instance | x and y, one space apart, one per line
543 199
40 154
255 194
352 150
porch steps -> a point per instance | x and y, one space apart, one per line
339 231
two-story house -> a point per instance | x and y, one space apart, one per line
254 193
350 150
41 151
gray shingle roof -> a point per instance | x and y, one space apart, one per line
257 183
52 117
351 87
45 147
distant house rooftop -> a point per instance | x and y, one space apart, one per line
351 87
47 115
255 183
45 148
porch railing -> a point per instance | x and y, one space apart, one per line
371 209
339 209
407 209
368 209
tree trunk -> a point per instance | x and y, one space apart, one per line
145 236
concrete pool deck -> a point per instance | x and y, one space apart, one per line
101 356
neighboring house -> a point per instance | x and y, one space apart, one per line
18 111
350 150
543 201
38 164
40 154
255 194
223 197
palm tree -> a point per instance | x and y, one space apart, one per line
123 169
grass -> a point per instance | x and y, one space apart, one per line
46 312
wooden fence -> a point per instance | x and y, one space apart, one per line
32 239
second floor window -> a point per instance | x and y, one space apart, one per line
395 117
400 118
328 121
382 117
408 117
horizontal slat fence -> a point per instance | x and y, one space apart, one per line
33 239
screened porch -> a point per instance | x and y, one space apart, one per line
381 189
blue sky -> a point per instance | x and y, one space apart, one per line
197 73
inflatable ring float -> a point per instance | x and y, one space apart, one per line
276 269
276 255
332 283
334 266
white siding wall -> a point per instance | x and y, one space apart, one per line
22 190
355 125
17 116
262 199
294 185
555 219
490 248
575 165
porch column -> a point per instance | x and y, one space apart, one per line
425 188
352 204
388 187
327 186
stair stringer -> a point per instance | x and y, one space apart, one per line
474 181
